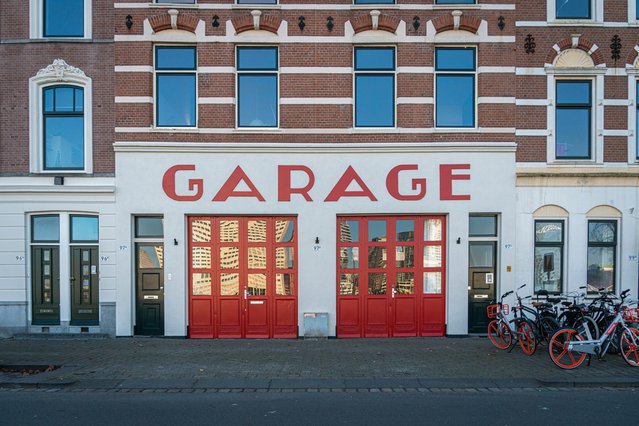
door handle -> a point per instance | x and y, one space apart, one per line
393 292
245 294
71 279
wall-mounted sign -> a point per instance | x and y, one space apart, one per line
349 179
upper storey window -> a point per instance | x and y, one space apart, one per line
573 119
175 68
374 86
63 18
63 114
573 9
455 69
257 91
60 18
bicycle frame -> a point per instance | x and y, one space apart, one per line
600 347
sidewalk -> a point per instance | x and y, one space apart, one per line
156 363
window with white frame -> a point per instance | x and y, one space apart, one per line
175 86
637 121
257 86
60 19
455 69
602 255
63 119
60 128
573 119
374 86
549 249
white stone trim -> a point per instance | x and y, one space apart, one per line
530 71
415 100
316 70
531 102
345 7
496 70
415 70
133 99
59 72
243 147
322 131
36 21
215 101
531 132
216 70
615 132
316 101
495 100
133 68
633 130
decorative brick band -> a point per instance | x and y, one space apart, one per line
384 23
582 44
632 56
182 21
270 23
468 23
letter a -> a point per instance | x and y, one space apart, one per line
228 189
339 190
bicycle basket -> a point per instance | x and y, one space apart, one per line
631 315
493 310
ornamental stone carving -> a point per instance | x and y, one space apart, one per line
61 71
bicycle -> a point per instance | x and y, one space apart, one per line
568 349
501 330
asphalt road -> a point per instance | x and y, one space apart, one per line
461 407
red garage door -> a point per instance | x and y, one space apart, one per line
242 277
391 276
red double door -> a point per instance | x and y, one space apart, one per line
391 276
242 277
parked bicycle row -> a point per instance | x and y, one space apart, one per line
571 328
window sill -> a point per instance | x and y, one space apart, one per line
174 5
255 6
257 130
374 7
575 23
61 172
459 6
62 39
175 129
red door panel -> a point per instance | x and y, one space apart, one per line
242 277
391 276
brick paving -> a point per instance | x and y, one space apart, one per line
387 365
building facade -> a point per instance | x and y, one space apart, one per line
240 169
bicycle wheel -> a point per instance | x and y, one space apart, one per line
527 340
499 334
559 351
587 328
548 326
629 345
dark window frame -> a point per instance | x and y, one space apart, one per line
71 240
612 245
382 72
551 244
574 106
457 72
33 218
54 113
136 235
256 71
174 71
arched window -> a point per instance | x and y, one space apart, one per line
60 128
63 119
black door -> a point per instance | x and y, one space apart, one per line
45 285
481 283
149 289
84 286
